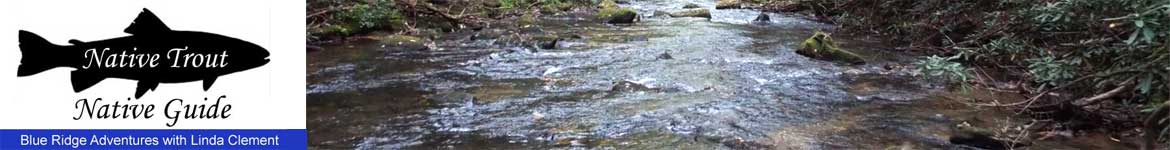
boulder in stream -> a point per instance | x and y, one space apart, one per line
726 4
618 15
664 55
691 5
762 18
546 41
821 46
697 12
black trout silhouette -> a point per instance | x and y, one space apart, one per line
149 37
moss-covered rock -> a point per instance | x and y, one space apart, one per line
697 12
618 15
607 4
821 46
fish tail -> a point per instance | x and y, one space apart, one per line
37 54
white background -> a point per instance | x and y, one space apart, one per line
268 97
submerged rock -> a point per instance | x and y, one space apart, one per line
980 138
403 42
691 5
618 15
665 55
546 42
698 12
821 46
726 4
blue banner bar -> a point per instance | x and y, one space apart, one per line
153 139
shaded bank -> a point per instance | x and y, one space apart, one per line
1084 64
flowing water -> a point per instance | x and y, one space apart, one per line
728 83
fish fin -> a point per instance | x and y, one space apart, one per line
207 83
146 23
143 86
75 42
37 54
82 81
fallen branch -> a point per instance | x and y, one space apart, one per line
462 19
1125 86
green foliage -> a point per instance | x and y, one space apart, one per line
509 4
1053 16
944 67
346 17
1003 49
368 16
1148 25
1051 71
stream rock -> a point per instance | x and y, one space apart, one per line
726 4
691 5
762 18
698 12
979 137
613 14
664 55
546 41
403 43
618 15
821 46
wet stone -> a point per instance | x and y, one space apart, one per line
762 18
664 56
